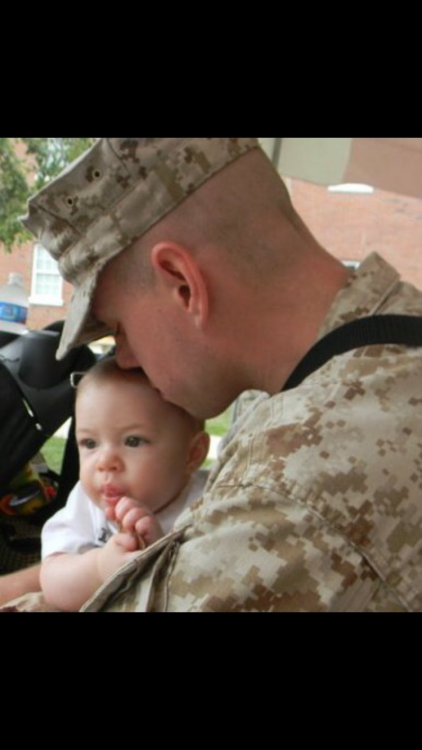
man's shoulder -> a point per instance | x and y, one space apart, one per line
343 408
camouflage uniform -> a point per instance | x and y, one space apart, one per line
315 503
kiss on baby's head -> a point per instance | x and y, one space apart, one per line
107 370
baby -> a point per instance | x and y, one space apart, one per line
138 457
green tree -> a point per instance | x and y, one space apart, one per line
13 193
46 157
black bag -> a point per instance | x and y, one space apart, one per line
36 398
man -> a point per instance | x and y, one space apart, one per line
190 252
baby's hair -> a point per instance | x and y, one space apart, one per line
104 369
107 369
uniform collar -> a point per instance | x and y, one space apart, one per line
366 290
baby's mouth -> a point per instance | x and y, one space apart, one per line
111 493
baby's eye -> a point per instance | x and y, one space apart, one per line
88 443
132 441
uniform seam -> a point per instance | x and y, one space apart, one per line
167 580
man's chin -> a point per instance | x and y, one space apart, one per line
199 409
206 411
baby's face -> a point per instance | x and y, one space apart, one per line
131 443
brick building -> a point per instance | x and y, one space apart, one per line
348 224
353 224
48 293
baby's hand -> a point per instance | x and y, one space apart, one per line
119 550
135 519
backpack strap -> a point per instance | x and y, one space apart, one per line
374 329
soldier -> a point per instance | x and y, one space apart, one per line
190 252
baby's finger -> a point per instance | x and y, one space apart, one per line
148 529
128 542
110 513
122 507
131 518
126 504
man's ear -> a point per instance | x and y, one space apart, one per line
181 276
198 451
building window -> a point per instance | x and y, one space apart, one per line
47 284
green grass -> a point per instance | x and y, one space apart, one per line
53 451
219 425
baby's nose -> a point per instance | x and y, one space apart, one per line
109 460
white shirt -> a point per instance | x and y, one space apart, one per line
82 525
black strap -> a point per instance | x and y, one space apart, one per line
374 329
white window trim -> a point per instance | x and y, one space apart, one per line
38 299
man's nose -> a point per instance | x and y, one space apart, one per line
124 356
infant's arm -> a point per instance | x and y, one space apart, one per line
69 580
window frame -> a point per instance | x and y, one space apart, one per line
43 299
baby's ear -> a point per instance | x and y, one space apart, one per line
198 451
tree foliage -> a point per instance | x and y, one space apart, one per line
13 193
43 159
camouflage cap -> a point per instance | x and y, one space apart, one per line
109 197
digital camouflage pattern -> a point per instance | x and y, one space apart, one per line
315 503
109 197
